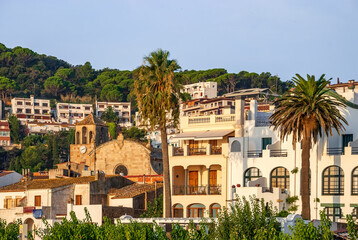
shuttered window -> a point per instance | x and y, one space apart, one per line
78 199
37 201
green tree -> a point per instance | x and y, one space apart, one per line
157 92
64 73
54 85
112 129
6 86
135 133
111 93
34 157
155 208
17 131
304 113
109 115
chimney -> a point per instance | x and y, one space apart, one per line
239 114
337 80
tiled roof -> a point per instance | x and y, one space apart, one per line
91 120
47 183
133 190
3 173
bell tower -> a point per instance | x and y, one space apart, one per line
89 134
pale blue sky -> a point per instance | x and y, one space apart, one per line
283 37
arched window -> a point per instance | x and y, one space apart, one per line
235 146
178 210
214 210
355 182
280 178
333 181
90 136
77 137
196 210
251 174
121 170
84 135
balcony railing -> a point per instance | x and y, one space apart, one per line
199 120
354 150
178 151
335 151
230 118
215 150
278 153
197 190
197 151
254 153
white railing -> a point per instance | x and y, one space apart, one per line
225 118
198 120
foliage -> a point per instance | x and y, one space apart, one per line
282 213
6 86
292 199
292 208
109 115
17 131
134 133
112 129
295 170
9 231
155 208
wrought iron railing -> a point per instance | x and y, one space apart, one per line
197 151
178 151
178 190
254 153
215 190
278 153
215 150
335 151
197 190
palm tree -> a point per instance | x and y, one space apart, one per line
157 92
307 112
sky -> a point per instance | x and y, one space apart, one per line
283 37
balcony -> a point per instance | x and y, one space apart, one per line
197 151
278 153
254 153
178 151
211 119
197 190
336 151
216 150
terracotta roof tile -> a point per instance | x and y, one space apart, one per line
133 190
47 183
91 120
3 173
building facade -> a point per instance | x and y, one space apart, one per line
259 161
122 109
31 109
5 140
72 113
202 90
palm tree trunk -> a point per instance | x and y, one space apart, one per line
167 193
305 179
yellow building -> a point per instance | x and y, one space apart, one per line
199 166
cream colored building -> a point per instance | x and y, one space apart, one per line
202 90
72 113
31 109
122 109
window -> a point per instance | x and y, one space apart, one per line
265 142
37 111
19 103
36 104
18 201
214 210
121 170
333 213
333 181
280 178
44 112
78 200
235 146
355 213
28 110
37 201
8 203
84 135
87 108
178 211
28 103
355 181
196 210
45 104
251 174
19 110
101 106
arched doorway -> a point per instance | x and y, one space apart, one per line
214 210
178 210
30 224
121 170
196 210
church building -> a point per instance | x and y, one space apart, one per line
94 149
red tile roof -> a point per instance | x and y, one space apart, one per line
133 190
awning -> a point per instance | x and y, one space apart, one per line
205 135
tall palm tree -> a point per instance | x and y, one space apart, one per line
307 112
157 92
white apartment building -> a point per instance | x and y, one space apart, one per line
48 127
122 109
31 109
72 113
202 90
260 162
